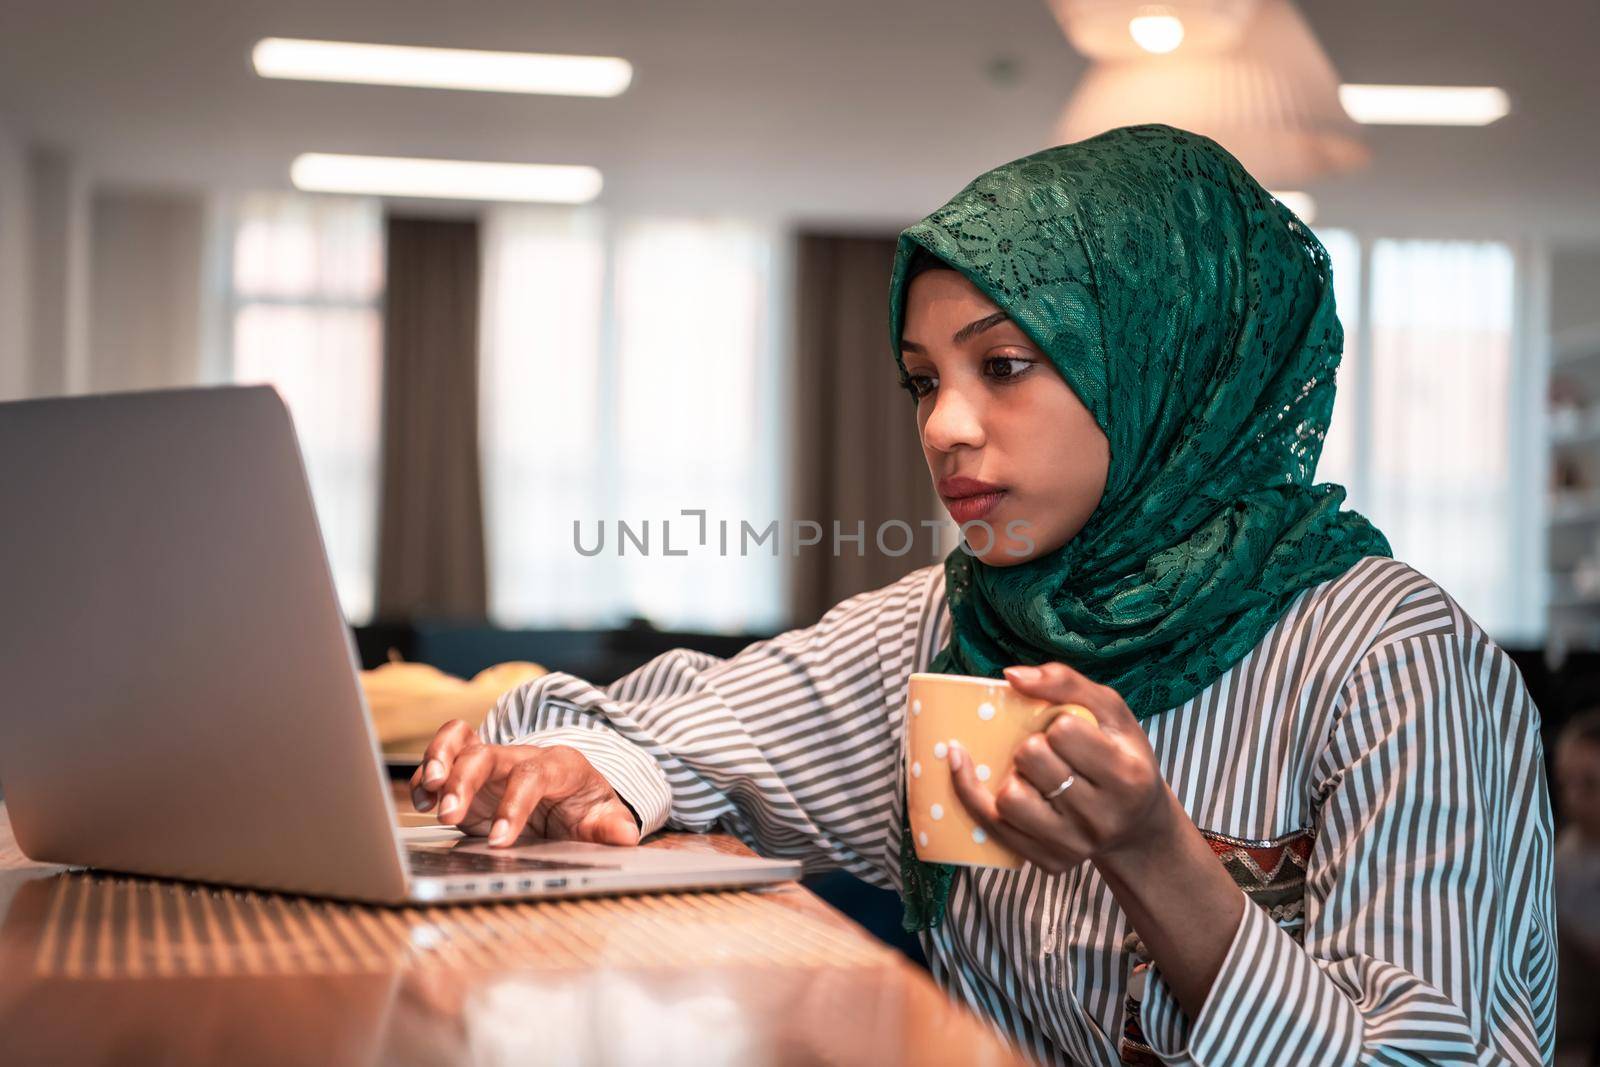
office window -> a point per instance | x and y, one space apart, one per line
540 418
304 313
1440 479
629 373
1340 449
1426 422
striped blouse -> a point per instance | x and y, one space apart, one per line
1371 773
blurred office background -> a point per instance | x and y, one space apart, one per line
702 324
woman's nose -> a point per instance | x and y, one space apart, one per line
955 422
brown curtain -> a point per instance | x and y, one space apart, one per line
430 534
857 455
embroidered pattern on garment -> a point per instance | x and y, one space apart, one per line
1272 874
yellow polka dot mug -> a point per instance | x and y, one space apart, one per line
989 719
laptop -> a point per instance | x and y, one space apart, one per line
178 688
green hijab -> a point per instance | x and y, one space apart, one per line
1193 315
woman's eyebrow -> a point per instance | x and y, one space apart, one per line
977 326
966 333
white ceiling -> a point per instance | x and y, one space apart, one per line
840 111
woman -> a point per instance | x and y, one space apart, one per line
1312 821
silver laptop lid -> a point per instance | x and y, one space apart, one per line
178 693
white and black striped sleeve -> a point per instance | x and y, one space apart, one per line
1428 936
792 744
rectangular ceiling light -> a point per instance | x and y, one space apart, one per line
441 68
449 179
1424 105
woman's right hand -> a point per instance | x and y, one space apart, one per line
507 791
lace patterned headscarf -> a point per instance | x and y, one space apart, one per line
1193 315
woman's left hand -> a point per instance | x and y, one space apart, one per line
1117 799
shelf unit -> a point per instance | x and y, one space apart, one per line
1572 515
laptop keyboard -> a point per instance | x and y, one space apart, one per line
441 861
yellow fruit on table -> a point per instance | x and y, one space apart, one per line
503 677
400 676
410 701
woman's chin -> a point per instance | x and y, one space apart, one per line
1000 542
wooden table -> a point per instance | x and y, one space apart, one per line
101 968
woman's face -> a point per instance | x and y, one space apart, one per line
1016 457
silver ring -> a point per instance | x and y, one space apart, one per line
1066 784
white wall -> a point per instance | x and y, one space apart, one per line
144 290
58 275
98 292
1575 289
14 240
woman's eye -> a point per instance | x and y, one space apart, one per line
918 385
1006 366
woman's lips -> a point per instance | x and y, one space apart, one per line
965 509
969 499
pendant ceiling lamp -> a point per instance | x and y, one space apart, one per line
1118 29
1272 99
